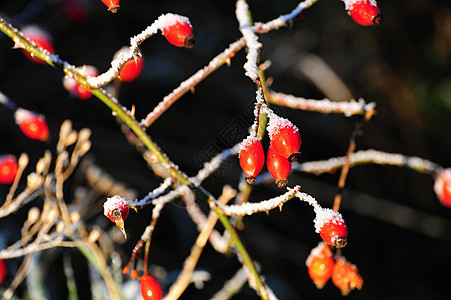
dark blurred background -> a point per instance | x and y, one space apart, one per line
398 231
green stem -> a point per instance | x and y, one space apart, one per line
246 259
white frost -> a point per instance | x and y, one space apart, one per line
113 203
242 14
277 123
349 4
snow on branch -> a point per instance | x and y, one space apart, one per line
250 208
282 20
152 194
163 21
242 15
212 165
366 157
191 82
348 108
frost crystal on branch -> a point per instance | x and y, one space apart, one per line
368 156
213 165
192 81
250 208
348 108
153 194
242 15
282 20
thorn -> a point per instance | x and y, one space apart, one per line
280 207
228 61
192 89
18 45
132 111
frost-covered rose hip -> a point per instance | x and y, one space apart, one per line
346 276
278 166
113 5
285 137
131 69
177 30
331 227
116 209
442 187
150 288
40 38
8 168
320 264
364 12
252 158
33 125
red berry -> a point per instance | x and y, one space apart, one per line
132 69
116 209
32 125
278 166
442 187
364 12
3 271
252 158
346 276
77 89
113 5
178 30
150 288
8 169
331 227
320 264
40 38
285 137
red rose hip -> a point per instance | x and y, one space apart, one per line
150 288
8 168
76 88
40 38
252 158
113 5
320 264
116 209
331 227
131 69
278 166
364 12
346 276
177 30
33 125
442 187
285 137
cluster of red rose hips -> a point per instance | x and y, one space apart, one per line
284 149
322 266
